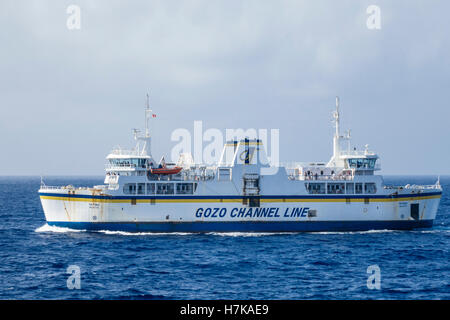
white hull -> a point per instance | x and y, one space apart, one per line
206 214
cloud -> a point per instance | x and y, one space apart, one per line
260 64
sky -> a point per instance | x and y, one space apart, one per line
68 96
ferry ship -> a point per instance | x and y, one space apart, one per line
238 195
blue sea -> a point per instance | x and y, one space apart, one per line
34 258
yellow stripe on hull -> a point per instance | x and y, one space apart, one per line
237 200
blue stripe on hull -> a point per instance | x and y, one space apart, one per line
246 226
199 197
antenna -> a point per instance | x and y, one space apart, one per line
145 136
348 140
148 112
336 116
337 137
136 133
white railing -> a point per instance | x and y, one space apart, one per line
43 187
124 152
356 153
416 187
295 165
122 166
70 187
333 177
422 187
109 166
324 177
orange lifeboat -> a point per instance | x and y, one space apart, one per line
165 170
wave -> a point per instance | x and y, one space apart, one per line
432 231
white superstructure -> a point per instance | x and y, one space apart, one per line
236 194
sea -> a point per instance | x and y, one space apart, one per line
42 262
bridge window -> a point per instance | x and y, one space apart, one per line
350 188
164 188
370 188
131 162
151 188
129 188
358 188
141 188
336 188
315 188
362 163
185 188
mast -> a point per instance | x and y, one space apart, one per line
336 159
336 117
336 147
146 149
147 138
148 112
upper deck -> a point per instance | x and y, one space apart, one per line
243 169
246 156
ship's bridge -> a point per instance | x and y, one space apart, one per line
344 164
127 160
122 162
361 161
243 152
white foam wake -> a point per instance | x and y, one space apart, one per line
259 234
354 232
124 233
47 228
223 234
248 234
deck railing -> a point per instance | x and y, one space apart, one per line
416 186
44 187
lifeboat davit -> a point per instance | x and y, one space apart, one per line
165 170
